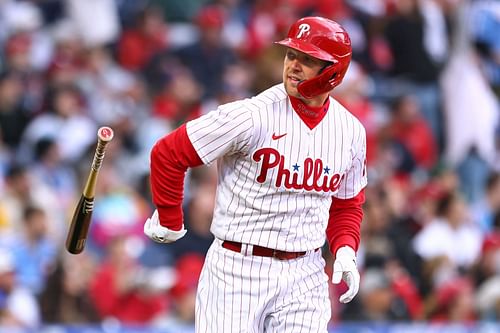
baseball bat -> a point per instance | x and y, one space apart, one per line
82 216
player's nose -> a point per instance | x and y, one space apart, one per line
295 64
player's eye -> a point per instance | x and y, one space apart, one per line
290 55
308 61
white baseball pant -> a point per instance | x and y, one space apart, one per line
252 294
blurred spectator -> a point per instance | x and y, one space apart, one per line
66 122
267 66
178 99
17 60
21 191
198 219
378 300
470 136
34 251
108 88
209 47
489 204
418 37
29 46
51 170
14 116
406 288
123 290
453 301
425 197
410 131
386 236
183 292
450 235
237 84
67 58
354 94
484 29
235 32
96 20
146 133
180 10
51 10
487 299
488 275
237 80
142 40
65 298
20 308
268 20
489 265
118 212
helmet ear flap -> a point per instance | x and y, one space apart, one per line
329 78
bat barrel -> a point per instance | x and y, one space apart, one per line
77 235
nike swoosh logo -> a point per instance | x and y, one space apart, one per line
276 137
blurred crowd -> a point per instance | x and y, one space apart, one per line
424 81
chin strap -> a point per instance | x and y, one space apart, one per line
322 83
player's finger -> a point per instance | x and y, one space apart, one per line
155 218
337 273
147 226
346 297
352 281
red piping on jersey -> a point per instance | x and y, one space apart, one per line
310 115
344 223
171 156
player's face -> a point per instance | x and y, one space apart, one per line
299 66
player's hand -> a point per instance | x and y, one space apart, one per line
344 268
160 234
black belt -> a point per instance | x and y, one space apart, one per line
264 251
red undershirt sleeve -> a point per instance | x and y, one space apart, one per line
171 156
344 224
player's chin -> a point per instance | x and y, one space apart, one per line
291 90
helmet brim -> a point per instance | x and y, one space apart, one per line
307 48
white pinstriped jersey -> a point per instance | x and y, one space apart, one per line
276 175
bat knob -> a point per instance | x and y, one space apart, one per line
105 134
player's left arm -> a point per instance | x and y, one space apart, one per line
344 224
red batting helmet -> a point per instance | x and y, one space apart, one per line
326 40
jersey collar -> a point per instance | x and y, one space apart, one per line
310 115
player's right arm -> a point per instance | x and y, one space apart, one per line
170 158
200 141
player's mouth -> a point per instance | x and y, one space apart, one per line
294 80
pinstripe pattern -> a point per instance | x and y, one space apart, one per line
247 211
248 294
276 180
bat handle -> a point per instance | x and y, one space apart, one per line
99 155
105 135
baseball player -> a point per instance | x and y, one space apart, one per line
291 172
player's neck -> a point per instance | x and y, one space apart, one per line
314 108
311 115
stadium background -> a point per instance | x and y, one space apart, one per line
425 82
